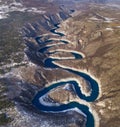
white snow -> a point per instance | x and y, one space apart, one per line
109 29
5 9
118 26
2 16
35 10
67 87
109 19
94 18
13 65
45 103
114 5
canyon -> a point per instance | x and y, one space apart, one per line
61 44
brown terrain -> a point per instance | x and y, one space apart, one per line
93 30
96 33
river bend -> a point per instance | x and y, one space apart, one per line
48 63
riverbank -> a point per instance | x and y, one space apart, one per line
84 71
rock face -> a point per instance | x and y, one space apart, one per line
98 38
15 85
18 87
96 33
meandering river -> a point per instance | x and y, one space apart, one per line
48 63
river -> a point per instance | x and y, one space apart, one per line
48 63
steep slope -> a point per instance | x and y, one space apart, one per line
97 33
13 16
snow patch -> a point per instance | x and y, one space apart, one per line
109 19
114 5
118 26
94 18
46 101
5 9
109 29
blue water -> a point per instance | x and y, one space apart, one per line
42 50
76 55
63 107
58 33
92 97
65 42
38 40
94 85
42 42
